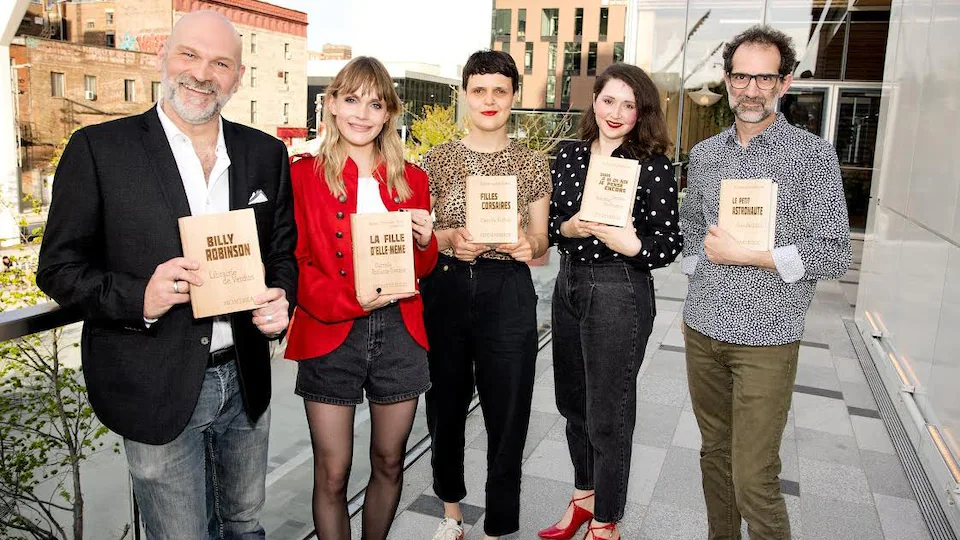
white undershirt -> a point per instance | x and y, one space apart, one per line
204 197
368 196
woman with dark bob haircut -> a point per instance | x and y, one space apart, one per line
603 303
480 304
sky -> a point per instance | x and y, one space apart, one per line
400 30
330 20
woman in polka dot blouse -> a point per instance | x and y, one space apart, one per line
603 304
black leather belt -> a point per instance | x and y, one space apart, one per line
221 357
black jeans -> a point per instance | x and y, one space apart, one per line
602 317
481 324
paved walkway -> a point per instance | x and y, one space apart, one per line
841 478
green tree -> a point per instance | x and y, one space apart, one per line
47 426
437 125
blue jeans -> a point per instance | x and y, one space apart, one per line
209 482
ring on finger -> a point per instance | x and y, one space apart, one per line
176 286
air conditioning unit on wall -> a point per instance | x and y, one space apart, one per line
90 95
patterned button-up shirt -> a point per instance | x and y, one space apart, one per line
747 305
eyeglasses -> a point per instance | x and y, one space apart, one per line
765 81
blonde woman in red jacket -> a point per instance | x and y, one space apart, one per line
350 343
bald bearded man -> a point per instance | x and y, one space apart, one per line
189 396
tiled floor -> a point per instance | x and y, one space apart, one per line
841 478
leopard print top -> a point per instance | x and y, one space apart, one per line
450 163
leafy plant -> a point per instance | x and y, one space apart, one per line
543 132
47 426
437 125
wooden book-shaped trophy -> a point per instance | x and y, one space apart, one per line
227 247
748 211
610 191
491 209
383 253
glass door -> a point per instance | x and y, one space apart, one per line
855 138
805 108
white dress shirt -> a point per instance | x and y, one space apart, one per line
204 197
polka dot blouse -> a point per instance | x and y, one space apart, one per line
655 213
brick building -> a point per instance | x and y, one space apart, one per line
332 52
93 60
70 85
559 46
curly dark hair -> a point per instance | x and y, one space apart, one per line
763 35
649 136
487 61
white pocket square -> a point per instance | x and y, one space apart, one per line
257 197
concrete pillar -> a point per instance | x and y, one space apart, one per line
11 13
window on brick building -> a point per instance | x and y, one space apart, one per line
110 39
110 17
549 21
618 51
521 24
286 113
505 47
253 112
528 58
56 84
578 22
551 90
91 24
287 53
129 90
571 57
253 77
604 22
155 91
501 22
253 43
592 59
89 87
552 57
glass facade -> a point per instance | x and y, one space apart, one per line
835 94
415 93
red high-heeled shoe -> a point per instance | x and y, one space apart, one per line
580 516
608 527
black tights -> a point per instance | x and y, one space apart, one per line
331 432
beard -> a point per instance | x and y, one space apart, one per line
752 115
189 112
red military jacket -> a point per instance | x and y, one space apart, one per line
326 297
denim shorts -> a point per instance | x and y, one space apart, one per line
379 357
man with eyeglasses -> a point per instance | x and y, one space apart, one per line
744 312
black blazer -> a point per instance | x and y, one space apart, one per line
117 195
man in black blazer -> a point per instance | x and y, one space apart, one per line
189 396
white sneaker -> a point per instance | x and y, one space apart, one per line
449 530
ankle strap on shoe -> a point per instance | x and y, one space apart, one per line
576 499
